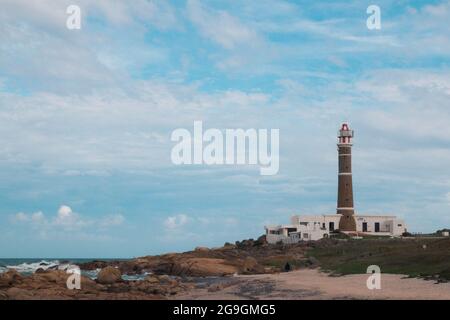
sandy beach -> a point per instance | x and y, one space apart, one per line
313 284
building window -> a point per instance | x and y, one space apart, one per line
304 223
399 225
305 236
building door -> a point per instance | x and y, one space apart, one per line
331 226
377 227
364 227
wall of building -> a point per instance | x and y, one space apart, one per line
287 234
318 226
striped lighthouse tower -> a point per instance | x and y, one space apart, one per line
345 188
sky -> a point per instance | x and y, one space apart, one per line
86 118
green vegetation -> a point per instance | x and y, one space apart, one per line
417 257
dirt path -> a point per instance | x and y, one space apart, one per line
312 284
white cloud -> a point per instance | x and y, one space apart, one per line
35 31
230 221
19 217
38 217
243 45
106 131
112 220
221 27
176 222
67 219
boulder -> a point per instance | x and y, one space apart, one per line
249 263
18 294
93 265
152 279
164 278
109 275
89 285
203 267
261 240
9 278
216 287
55 276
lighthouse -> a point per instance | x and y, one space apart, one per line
315 227
345 187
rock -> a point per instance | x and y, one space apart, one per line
164 278
216 287
55 276
209 267
109 275
11 277
251 265
152 279
89 285
261 240
18 294
93 265
204 249
39 270
135 266
3 295
245 243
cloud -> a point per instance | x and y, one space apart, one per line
102 132
112 220
102 54
97 107
19 217
38 217
176 222
244 46
67 219
221 27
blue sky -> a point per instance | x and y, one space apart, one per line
86 117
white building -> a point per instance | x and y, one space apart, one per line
305 228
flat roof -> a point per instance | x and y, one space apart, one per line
337 215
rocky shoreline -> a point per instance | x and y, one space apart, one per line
244 257
168 274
